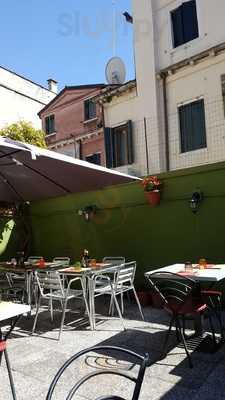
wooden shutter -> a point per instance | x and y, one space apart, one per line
108 147
130 148
86 110
47 125
190 20
192 126
177 23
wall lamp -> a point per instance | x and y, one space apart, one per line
195 201
88 212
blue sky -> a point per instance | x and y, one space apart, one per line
69 40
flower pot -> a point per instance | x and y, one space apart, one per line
153 197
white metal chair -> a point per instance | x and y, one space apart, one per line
114 260
51 288
123 283
65 261
34 259
103 284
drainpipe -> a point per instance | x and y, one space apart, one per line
166 122
103 124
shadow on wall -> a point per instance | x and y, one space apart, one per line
6 229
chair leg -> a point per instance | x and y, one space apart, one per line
184 343
51 309
164 352
85 297
212 330
36 315
177 333
111 305
10 375
138 303
63 318
218 314
118 309
121 301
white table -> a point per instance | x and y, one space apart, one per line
10 310
210 274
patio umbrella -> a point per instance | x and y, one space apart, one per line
28 173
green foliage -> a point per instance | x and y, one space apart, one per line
24 132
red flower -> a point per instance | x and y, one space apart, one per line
151 183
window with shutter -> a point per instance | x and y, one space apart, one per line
192 126
185 23
119 145
50 124
89 109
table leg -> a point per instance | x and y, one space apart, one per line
91 302
4 351
10 375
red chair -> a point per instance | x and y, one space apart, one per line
181 298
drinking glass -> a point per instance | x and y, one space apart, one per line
188 266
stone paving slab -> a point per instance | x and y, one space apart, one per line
35 359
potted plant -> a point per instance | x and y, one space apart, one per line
151 188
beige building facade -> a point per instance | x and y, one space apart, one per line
177 108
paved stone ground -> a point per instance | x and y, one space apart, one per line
35 359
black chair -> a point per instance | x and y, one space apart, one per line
181 297
137 380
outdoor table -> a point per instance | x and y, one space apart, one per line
14 311
212 273
89 274
27 270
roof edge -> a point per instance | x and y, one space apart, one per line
26 79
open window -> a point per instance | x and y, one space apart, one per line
119 145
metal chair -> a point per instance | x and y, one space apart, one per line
114 260
136 379
124 283
51 288
181 298
34 259
104 285
65 261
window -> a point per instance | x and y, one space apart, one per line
192 126
184 23
89 109
50 124
223 91
119 145
94 158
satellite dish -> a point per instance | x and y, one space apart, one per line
115 71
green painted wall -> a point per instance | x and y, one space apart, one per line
6 230
126 225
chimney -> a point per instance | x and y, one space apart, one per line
52 85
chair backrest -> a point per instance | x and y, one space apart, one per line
49 283
114 260
126 273
137 380
174 290
65 261
34 259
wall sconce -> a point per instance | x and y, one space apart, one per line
195 201
88 212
